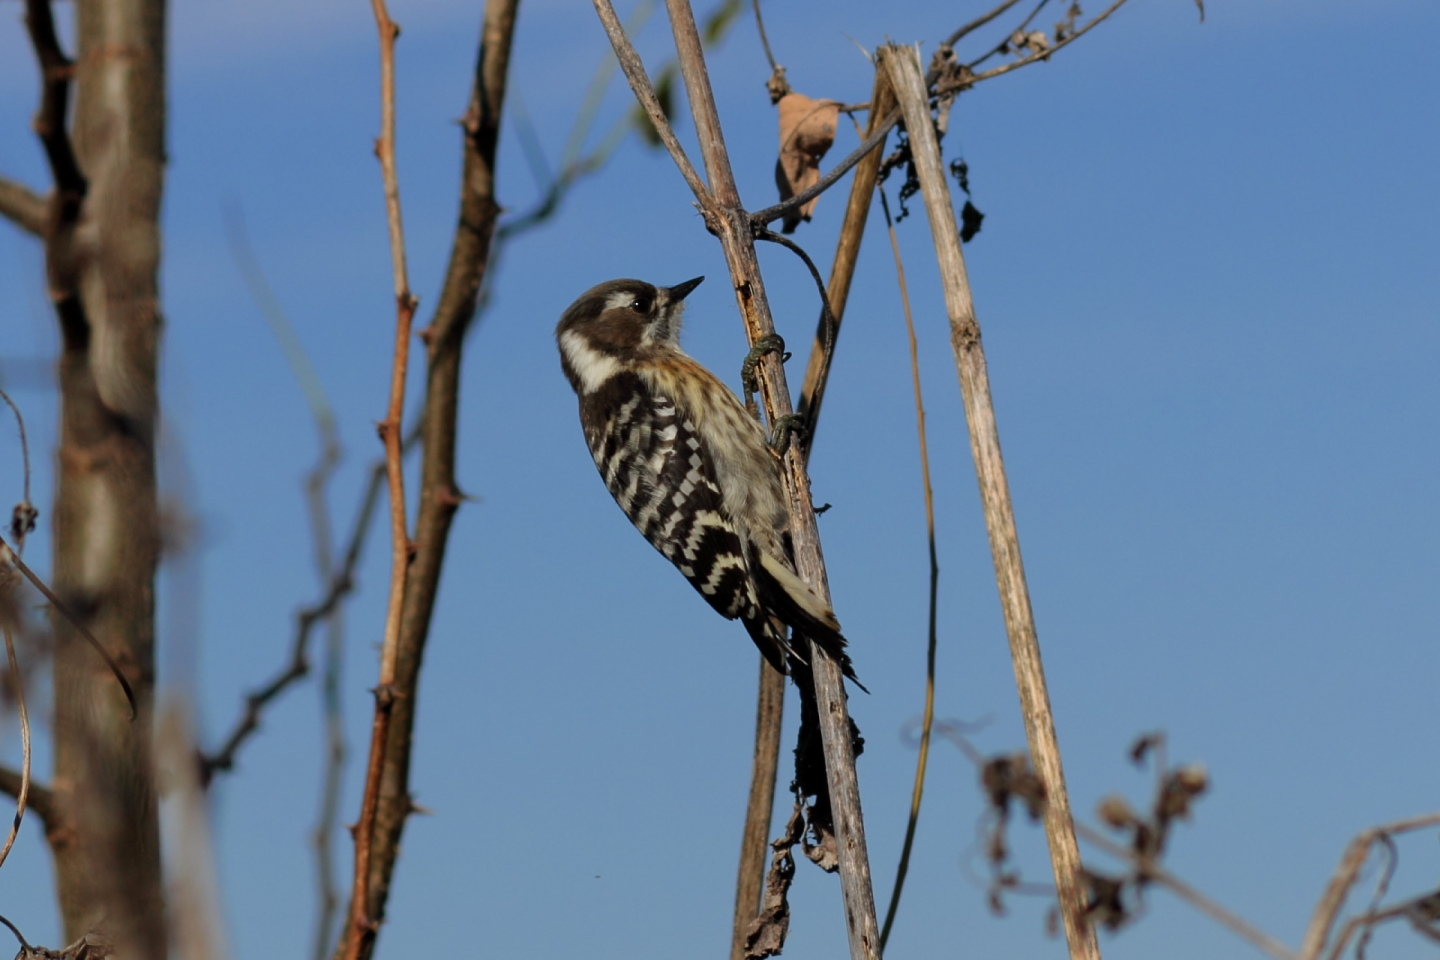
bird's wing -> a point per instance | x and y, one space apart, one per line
655 466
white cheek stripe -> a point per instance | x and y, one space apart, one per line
590 365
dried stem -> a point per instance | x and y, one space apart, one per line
733 227
764 40
903 65
927 717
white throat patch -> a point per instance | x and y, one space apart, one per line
590 365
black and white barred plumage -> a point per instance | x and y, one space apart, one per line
688 464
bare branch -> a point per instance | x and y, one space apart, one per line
645 94
22 206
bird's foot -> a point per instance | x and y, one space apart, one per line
783 429
770 343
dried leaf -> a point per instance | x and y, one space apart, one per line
807 129
970 220
1034 42
766 936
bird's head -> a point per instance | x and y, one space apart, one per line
618 322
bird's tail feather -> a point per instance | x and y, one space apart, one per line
786 596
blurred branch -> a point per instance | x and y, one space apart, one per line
8 554
298 665
645 94
755 836
22 206
1151 871
1354 858
42 798
22 793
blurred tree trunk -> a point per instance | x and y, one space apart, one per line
106 522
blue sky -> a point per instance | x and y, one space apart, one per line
1207 292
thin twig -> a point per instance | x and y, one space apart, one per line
927 717
1047 53
297 664
903 65
1004 45
22 206
977 23
645 94
1154 872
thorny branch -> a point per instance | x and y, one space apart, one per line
439 495
362 925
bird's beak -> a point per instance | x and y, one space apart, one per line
681 290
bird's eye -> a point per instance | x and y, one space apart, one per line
641 304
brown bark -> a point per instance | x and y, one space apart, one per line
104 279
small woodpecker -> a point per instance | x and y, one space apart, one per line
689 465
